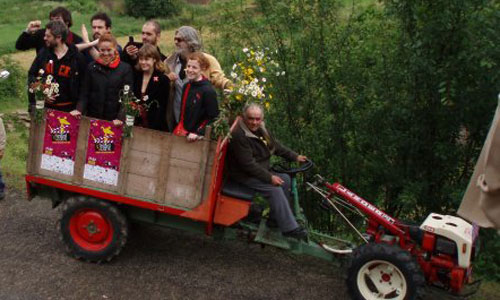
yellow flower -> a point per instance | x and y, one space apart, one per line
270 96
250 71
267 105
239 97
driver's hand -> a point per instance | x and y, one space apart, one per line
301 158
276 180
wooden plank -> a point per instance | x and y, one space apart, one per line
208 171
143 163
183 150
202 168
162 179
146 140
124 166
81 150
181 185
140 186
38 146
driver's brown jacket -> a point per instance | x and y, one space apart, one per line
249 154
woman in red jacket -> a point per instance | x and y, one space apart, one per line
199 105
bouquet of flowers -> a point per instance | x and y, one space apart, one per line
133 106
250 78
45 89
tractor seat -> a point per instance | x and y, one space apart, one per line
237 190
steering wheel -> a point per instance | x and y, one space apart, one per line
282 168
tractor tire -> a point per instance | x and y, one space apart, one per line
383 271
92 230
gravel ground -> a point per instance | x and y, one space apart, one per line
156 263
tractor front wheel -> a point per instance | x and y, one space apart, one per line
382 271
93 230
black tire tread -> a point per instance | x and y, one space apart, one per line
77 202
394 254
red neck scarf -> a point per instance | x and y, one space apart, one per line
113 64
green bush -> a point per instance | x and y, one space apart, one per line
379 96
13 88
150 9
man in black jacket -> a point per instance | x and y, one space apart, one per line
33 36
249 153
60 63
151 32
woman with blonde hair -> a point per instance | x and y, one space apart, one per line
152 87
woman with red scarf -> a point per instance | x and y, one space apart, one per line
103 81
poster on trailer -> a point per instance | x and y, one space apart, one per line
59 142
102 162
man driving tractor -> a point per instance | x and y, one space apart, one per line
249 153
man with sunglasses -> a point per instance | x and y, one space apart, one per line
248 163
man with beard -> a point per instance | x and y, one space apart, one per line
101 24
187 41
62 64
33 36
151 32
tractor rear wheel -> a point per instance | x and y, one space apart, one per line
93 230
382 271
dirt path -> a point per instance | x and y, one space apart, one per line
156 264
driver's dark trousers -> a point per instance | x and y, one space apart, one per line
277 196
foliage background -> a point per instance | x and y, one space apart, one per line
391 98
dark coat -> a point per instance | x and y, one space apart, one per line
68 72
249 154
199 100
101 90
157 92
27 41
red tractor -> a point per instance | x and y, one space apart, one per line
161 179
398 258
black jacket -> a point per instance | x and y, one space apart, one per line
249 154
126 58
157 93
199 106
27 41
68 72
101 90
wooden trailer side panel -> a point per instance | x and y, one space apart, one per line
155 166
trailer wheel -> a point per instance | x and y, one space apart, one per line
93 230
382 271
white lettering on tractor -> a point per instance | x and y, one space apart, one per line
367 205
